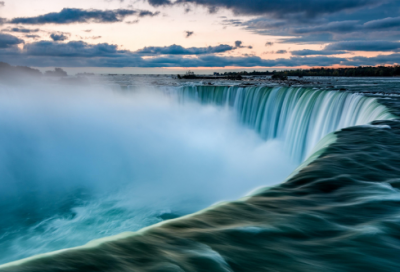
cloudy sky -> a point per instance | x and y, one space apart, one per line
168 35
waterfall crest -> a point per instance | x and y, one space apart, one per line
299 116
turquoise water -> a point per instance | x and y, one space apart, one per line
87 163
102 164
299 116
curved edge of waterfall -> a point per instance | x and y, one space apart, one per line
241 216
317 217
299 116
318 151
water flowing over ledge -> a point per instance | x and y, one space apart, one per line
300 117
320 219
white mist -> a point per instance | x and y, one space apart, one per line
135 155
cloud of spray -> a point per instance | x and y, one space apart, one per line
80 163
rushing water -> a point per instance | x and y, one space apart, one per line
85 163
301 117
105 164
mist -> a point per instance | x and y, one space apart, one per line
84 162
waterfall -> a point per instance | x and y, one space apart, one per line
299 116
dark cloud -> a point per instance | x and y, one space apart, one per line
281 28
157 3
386 23
89 37
2 4
269 44
8 41
83 49
267 26
238 44
332 27
308 52
81 54
71 49
364 46
70 15
132 22
212 9
32 36
20 30
372 61
279 9
179 50
234 22
132 60
58 37
382 22
350 26
281 52
346 47
189 33
309 39
144 13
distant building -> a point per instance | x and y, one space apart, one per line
189 75
216 74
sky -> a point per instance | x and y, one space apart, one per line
147 36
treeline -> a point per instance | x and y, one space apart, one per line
361 71
8 71
245 73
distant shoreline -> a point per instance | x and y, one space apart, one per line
361 71
7 70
